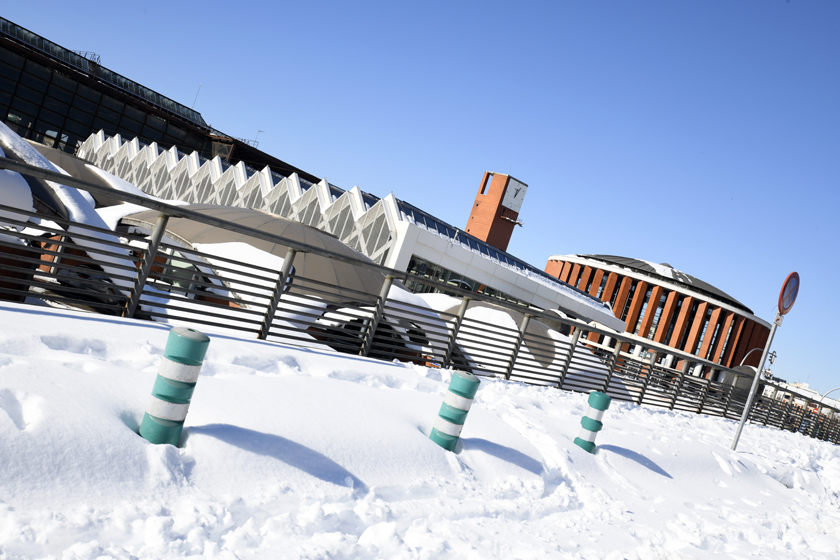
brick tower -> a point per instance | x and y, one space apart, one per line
496 209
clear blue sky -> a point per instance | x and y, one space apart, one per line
701 134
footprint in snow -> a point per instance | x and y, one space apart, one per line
24 410
87 346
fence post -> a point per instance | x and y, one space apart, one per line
146 266
450 344
728 396
575 338
769 410
377 315
802 417
279 288
522 326
678 388
814 428
703 395
615 355
651 364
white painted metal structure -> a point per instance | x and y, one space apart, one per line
386 230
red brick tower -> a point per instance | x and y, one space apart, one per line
496 209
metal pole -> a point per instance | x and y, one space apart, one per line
377 315
651 363
677 390
459 318
522 326
279 288
575 338
754 386
146 267
615 356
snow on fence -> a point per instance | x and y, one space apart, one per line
43 261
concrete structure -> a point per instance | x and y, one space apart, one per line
667 306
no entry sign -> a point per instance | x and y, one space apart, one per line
787 297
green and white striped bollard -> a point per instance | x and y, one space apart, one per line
174 386
591 423
453 411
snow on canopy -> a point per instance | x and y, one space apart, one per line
79 205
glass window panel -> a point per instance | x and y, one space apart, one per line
45 134
60 93
35 83
77 128
156 122
193 141
133 126
22 121
29 94
84 104
107 114
56 105
12 58
7 85
88 93
5 99
64 82
112 104
101 124
152 134
175 132
39 70
9 71
27 107
135 113
80 116
51 117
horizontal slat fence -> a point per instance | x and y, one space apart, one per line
64 263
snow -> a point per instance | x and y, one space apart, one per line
80 206
14 192
304 454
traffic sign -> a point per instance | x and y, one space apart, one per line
787 297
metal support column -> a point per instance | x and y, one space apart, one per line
678 388
769 410
459 318
279 288
522 326
568 362
615 355
377 315
146 266
651 364
814 428
703 395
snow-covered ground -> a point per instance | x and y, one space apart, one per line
301 454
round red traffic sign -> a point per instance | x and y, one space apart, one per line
787 296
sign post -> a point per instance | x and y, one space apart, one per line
787 297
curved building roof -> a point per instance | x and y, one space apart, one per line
668 272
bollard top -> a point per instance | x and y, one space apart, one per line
599 400
464 384
186 346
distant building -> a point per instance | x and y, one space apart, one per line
664 305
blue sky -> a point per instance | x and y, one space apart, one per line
701 134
